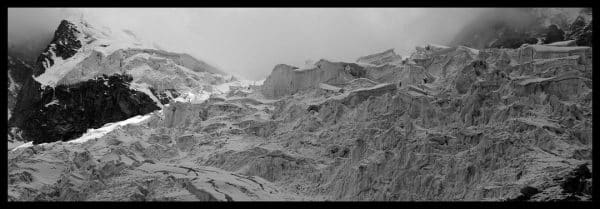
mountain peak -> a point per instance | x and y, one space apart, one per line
65 44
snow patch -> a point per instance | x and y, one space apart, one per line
145 88
61 67
97 133
25 145
13 85
193 98
53 102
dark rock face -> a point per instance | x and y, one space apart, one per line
554 34
526 194
18 73
501 29
356 71
163 97
513 28
581 32
64 45
575 181
513 39
66 112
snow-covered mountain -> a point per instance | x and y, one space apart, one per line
90 75
510 28
445 123
102 51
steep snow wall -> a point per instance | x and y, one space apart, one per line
286 79
380 58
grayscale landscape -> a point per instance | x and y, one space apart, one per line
300 104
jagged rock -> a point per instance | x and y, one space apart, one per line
450 123
554 34
512 28
66 112
526 193
64 45
563 43
532 52
388 56
581 32
165 97
575 181
89 76
286 79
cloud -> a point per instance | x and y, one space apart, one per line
31 29
249 42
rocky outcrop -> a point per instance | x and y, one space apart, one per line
457 136
18 72
447 124
122 174
166 96
511 28
66 112
286 80
64 45
581 31
554 34
532 52
88 77
388 56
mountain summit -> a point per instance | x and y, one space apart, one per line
91 75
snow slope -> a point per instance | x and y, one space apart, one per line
106 51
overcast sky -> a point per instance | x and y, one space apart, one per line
249 42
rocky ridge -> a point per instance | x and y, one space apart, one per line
450 123
90 75
511 28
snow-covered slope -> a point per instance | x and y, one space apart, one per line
91 75
105 52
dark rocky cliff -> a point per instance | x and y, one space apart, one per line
18 72
66 112
513 28
77 107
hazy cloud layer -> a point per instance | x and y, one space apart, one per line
249 42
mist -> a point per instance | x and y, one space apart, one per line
249 42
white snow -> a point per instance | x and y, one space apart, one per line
471 50
144 88
138 55
437 46
547 48
534 80
193 98
308 65
13 85
329 87
97 133
28 144
226 87
105 41
562 43
60 68
53 102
